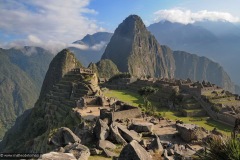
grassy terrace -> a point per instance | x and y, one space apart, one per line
135 99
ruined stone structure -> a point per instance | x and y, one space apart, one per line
198 88
190 132
120 110
82 71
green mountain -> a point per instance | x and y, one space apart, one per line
22 71
54 109
104 68
133 49
62 63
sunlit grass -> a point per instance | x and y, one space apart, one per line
98 158
135 99
125 96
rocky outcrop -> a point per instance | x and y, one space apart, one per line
133 49
156 145
104 68
57 155
128 135
101 130
64 136
201 68
105 144
141 127
135 151
61 64
115 136
79 151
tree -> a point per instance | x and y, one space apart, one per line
145 92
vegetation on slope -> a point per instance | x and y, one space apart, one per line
18 92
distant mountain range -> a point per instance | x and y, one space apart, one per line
218 41
219 44
95 45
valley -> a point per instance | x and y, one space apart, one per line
139 93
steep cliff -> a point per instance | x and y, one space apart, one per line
201 68
55 109
62 63
22 72
133 49
17 93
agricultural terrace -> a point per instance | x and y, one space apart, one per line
135 99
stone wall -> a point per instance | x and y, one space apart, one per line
197 113
131 113
92 100
123 112
230 119
222 118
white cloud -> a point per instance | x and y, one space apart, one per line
187 16
34 39
99 46
44 22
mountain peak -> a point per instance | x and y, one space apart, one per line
131 25
133 49
62 63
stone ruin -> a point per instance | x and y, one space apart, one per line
82 71
98 101
191 132
120 110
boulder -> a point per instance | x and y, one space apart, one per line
135 151
78 150
141 127
143 143
64 136
170 152
156 145
166 157
115 136
84 132
128 135
101 130
104 144
108 153
95 151
58 156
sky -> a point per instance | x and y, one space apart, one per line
56 24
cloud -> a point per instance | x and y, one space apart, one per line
34 39
42 21
99 46
187 16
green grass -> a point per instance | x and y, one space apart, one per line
125 96
98 158
135 99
